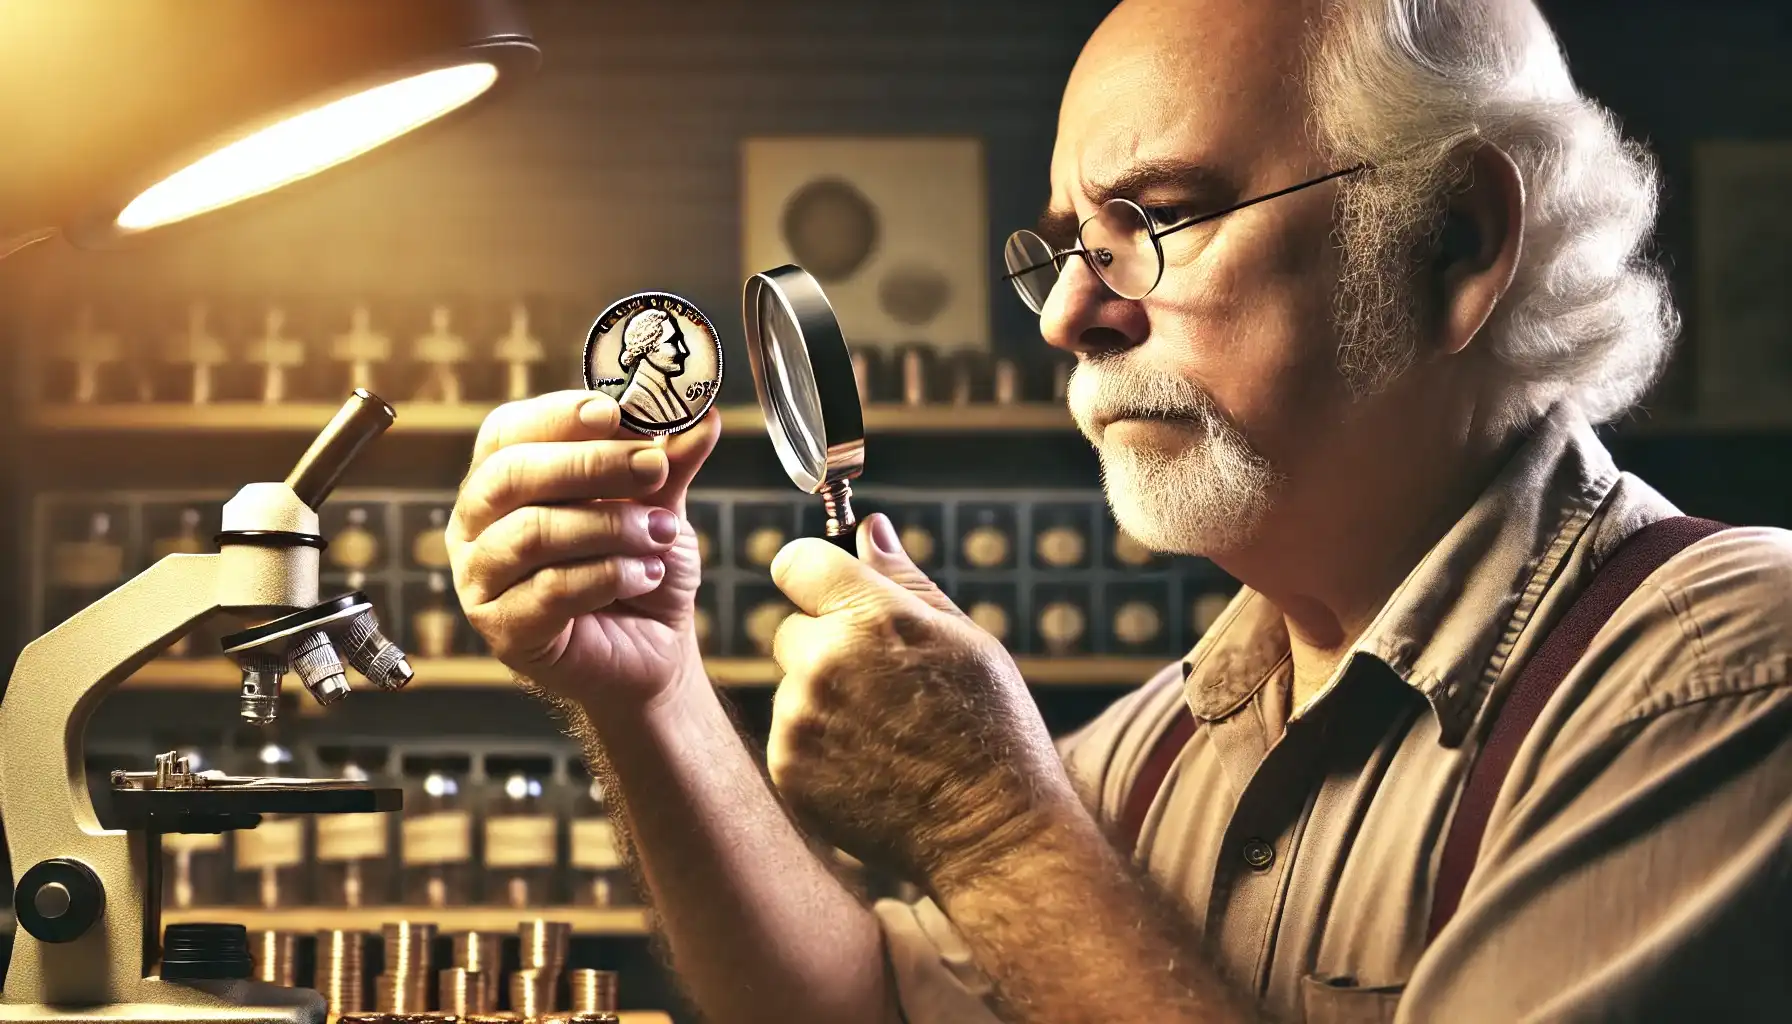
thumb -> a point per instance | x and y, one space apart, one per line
881 548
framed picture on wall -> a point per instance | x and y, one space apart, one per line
1744 356
896 230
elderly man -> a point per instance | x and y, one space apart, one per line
1368 398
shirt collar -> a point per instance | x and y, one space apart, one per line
1446 630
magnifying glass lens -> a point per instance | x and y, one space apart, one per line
796 402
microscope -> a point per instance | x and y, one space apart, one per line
89 946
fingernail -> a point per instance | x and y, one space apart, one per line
662 526
597 411
883 534
647 464
654 569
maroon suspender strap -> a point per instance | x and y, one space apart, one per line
1634 561
1151 777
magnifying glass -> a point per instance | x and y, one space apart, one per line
803 373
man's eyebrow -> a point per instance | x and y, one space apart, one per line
1194 183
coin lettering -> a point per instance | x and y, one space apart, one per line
659 357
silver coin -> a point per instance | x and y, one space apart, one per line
659 357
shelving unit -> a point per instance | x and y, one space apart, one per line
435 418
503 920
473 673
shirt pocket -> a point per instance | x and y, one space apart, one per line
1343 1001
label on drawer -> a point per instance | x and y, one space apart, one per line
210 842
444 837
594 845
520 841
343 837
275 843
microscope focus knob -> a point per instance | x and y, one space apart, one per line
58 900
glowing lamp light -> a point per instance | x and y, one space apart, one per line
306 143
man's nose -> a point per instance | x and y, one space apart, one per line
1082 317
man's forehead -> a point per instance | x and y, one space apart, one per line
1193 81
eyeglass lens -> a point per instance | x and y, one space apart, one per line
1116 242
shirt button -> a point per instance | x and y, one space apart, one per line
1258 854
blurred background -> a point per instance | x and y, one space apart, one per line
681 147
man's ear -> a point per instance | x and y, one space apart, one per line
1478 247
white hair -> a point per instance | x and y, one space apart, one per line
1403 85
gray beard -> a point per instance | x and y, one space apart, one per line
1202 498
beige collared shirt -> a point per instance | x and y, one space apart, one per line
1638 862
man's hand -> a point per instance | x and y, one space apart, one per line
571 553
901 732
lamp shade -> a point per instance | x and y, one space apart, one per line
118 119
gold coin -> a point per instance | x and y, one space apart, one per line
356 547
704 625
1128 550
918 542
764 544
1207 611
659 357
986 547
705 547
1137 622
1060 547
763 621
990 617
1062 623
430 547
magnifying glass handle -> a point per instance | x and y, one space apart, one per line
842 522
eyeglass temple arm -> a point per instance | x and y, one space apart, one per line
1054 261
1235 207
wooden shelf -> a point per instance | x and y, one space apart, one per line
436 418
487 673
584 920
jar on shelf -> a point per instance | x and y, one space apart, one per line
595 865
270 858
436 833
522 841
354 851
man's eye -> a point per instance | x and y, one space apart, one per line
1164 216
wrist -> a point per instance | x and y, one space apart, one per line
1012 848
634 707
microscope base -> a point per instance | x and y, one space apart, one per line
154 1013
214 1002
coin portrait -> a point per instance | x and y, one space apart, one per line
659 357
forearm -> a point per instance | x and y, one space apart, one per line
758 928
1068 935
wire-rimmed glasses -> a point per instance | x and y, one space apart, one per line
1120 245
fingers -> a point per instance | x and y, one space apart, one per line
819 578
557 416
529 623
537 536
881 548
802 648
537 473
687 452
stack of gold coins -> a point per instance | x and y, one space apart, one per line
592 991
541 956
338 971
542 944
477 952
404 987
461 992
272 954
532 992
